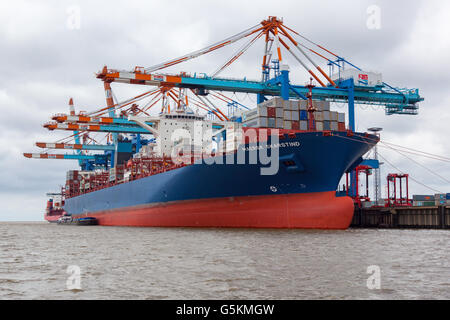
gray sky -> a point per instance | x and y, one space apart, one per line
44 62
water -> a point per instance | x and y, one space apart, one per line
186 263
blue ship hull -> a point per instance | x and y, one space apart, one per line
310 163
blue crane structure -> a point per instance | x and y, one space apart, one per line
274 82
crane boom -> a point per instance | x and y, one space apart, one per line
68 146
97 128
366 95
63 156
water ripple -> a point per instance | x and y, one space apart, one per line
189 263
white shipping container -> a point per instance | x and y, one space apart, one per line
249 115
262 111
333 125
318 116
333 116
316 104
293 105
271 122
341 117
263 121
303 105
257 123
319 125
287 115
295 115
304 125
287 124
319 105
276 102
279 123
326 115
280 102
279 113
360 78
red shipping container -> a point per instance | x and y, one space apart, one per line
271 112
341 126
295 125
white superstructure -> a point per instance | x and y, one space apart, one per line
180 132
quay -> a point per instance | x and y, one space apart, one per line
435 217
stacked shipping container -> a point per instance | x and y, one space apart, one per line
440 199
116 174
81 181
72 182
293 115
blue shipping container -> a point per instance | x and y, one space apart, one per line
303 115
423 197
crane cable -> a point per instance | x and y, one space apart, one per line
123 103
236 55
433 155
409 175
428 169
412 178
412 151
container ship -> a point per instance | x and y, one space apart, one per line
300 195
191 164
54 209
225 184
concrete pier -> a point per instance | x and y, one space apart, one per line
437 217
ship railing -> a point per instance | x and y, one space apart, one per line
140 168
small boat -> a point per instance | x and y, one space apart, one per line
87 221
65 219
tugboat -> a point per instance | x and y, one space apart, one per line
65 219
87 221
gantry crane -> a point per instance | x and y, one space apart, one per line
345 83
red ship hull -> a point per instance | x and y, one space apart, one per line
321 210
52 218
54 215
